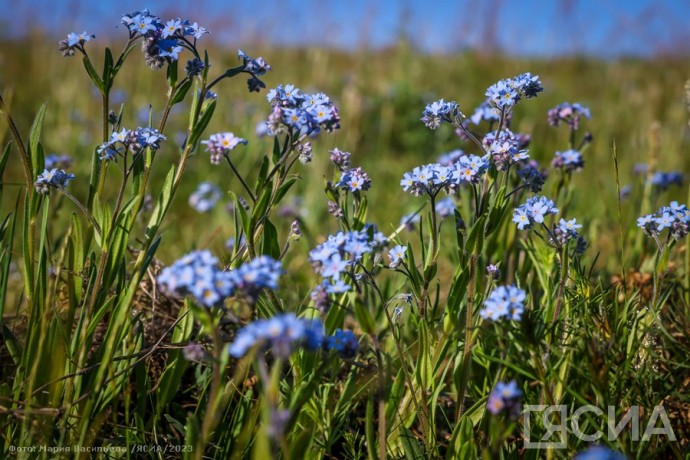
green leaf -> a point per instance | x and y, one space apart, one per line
270 240
35 150
263 172
284 189
181 92
172 74
108 70
202 123
423 371
475 240
361 217
93 75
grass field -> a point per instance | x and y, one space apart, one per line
94 353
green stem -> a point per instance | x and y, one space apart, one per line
464 371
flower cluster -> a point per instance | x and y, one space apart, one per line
533 211
532 177
664 180
340 159
52 178
281 334
74 42
570 160
197 274
344 342
505 148
256 68
301 112
354 180
504 302
505 397
568 113
341 252
162 42
136 141
260 273
675 217
432 178
205 197
506 93
437 112
220 144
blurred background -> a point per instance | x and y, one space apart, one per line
381 62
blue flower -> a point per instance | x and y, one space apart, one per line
301 112
260 273
437 112
504 148
169 49
675 217
281 334
344 342
397 255
568 113
506 93
205 197
533 211
505 397
354 180
52 178
171 28
220 144
570 160
197 274
504 302
663 180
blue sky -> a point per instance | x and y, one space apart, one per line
528 27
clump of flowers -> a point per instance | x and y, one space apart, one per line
256 68
675 217
505 149
260 273
74 42
432 178
568 113
437 112
341 253
533 212
281 334
664 180
505 398
504 302
354 180
532 177
340 159
162 42
302 113
565 231
344 342
197 274
52 178
130 140
506 93
570 160
205 197
221 144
